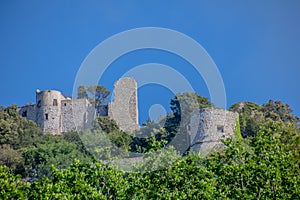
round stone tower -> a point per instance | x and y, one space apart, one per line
209 126
48 105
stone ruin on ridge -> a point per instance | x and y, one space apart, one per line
56 114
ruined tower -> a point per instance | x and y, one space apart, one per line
124 107
48 110
209 126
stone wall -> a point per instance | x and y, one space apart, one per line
208 126
56 114
75 114
124 108
79 113
28 112
67 116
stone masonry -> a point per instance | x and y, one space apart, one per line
208 126
124 107
55 113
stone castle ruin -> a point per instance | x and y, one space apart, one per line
205 130
209 126
56 114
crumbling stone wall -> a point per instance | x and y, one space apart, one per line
28 111
208 126
124 107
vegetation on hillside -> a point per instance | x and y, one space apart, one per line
252 115
263 165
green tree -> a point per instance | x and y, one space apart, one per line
11 186
106 124
11 158
82 92
151 136
81 181
97 143
104 145
51 150
250 116
98 95
261 167
121 140
182 105
15 130
278 111
74 138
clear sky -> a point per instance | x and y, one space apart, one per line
255 45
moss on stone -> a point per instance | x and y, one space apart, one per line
237 130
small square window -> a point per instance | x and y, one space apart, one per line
24 114
39 104
65 104
220 128
188 127
54 102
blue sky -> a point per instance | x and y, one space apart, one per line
254 44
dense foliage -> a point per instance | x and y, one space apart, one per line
252 115
15 130
263 165
183 104
26 151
